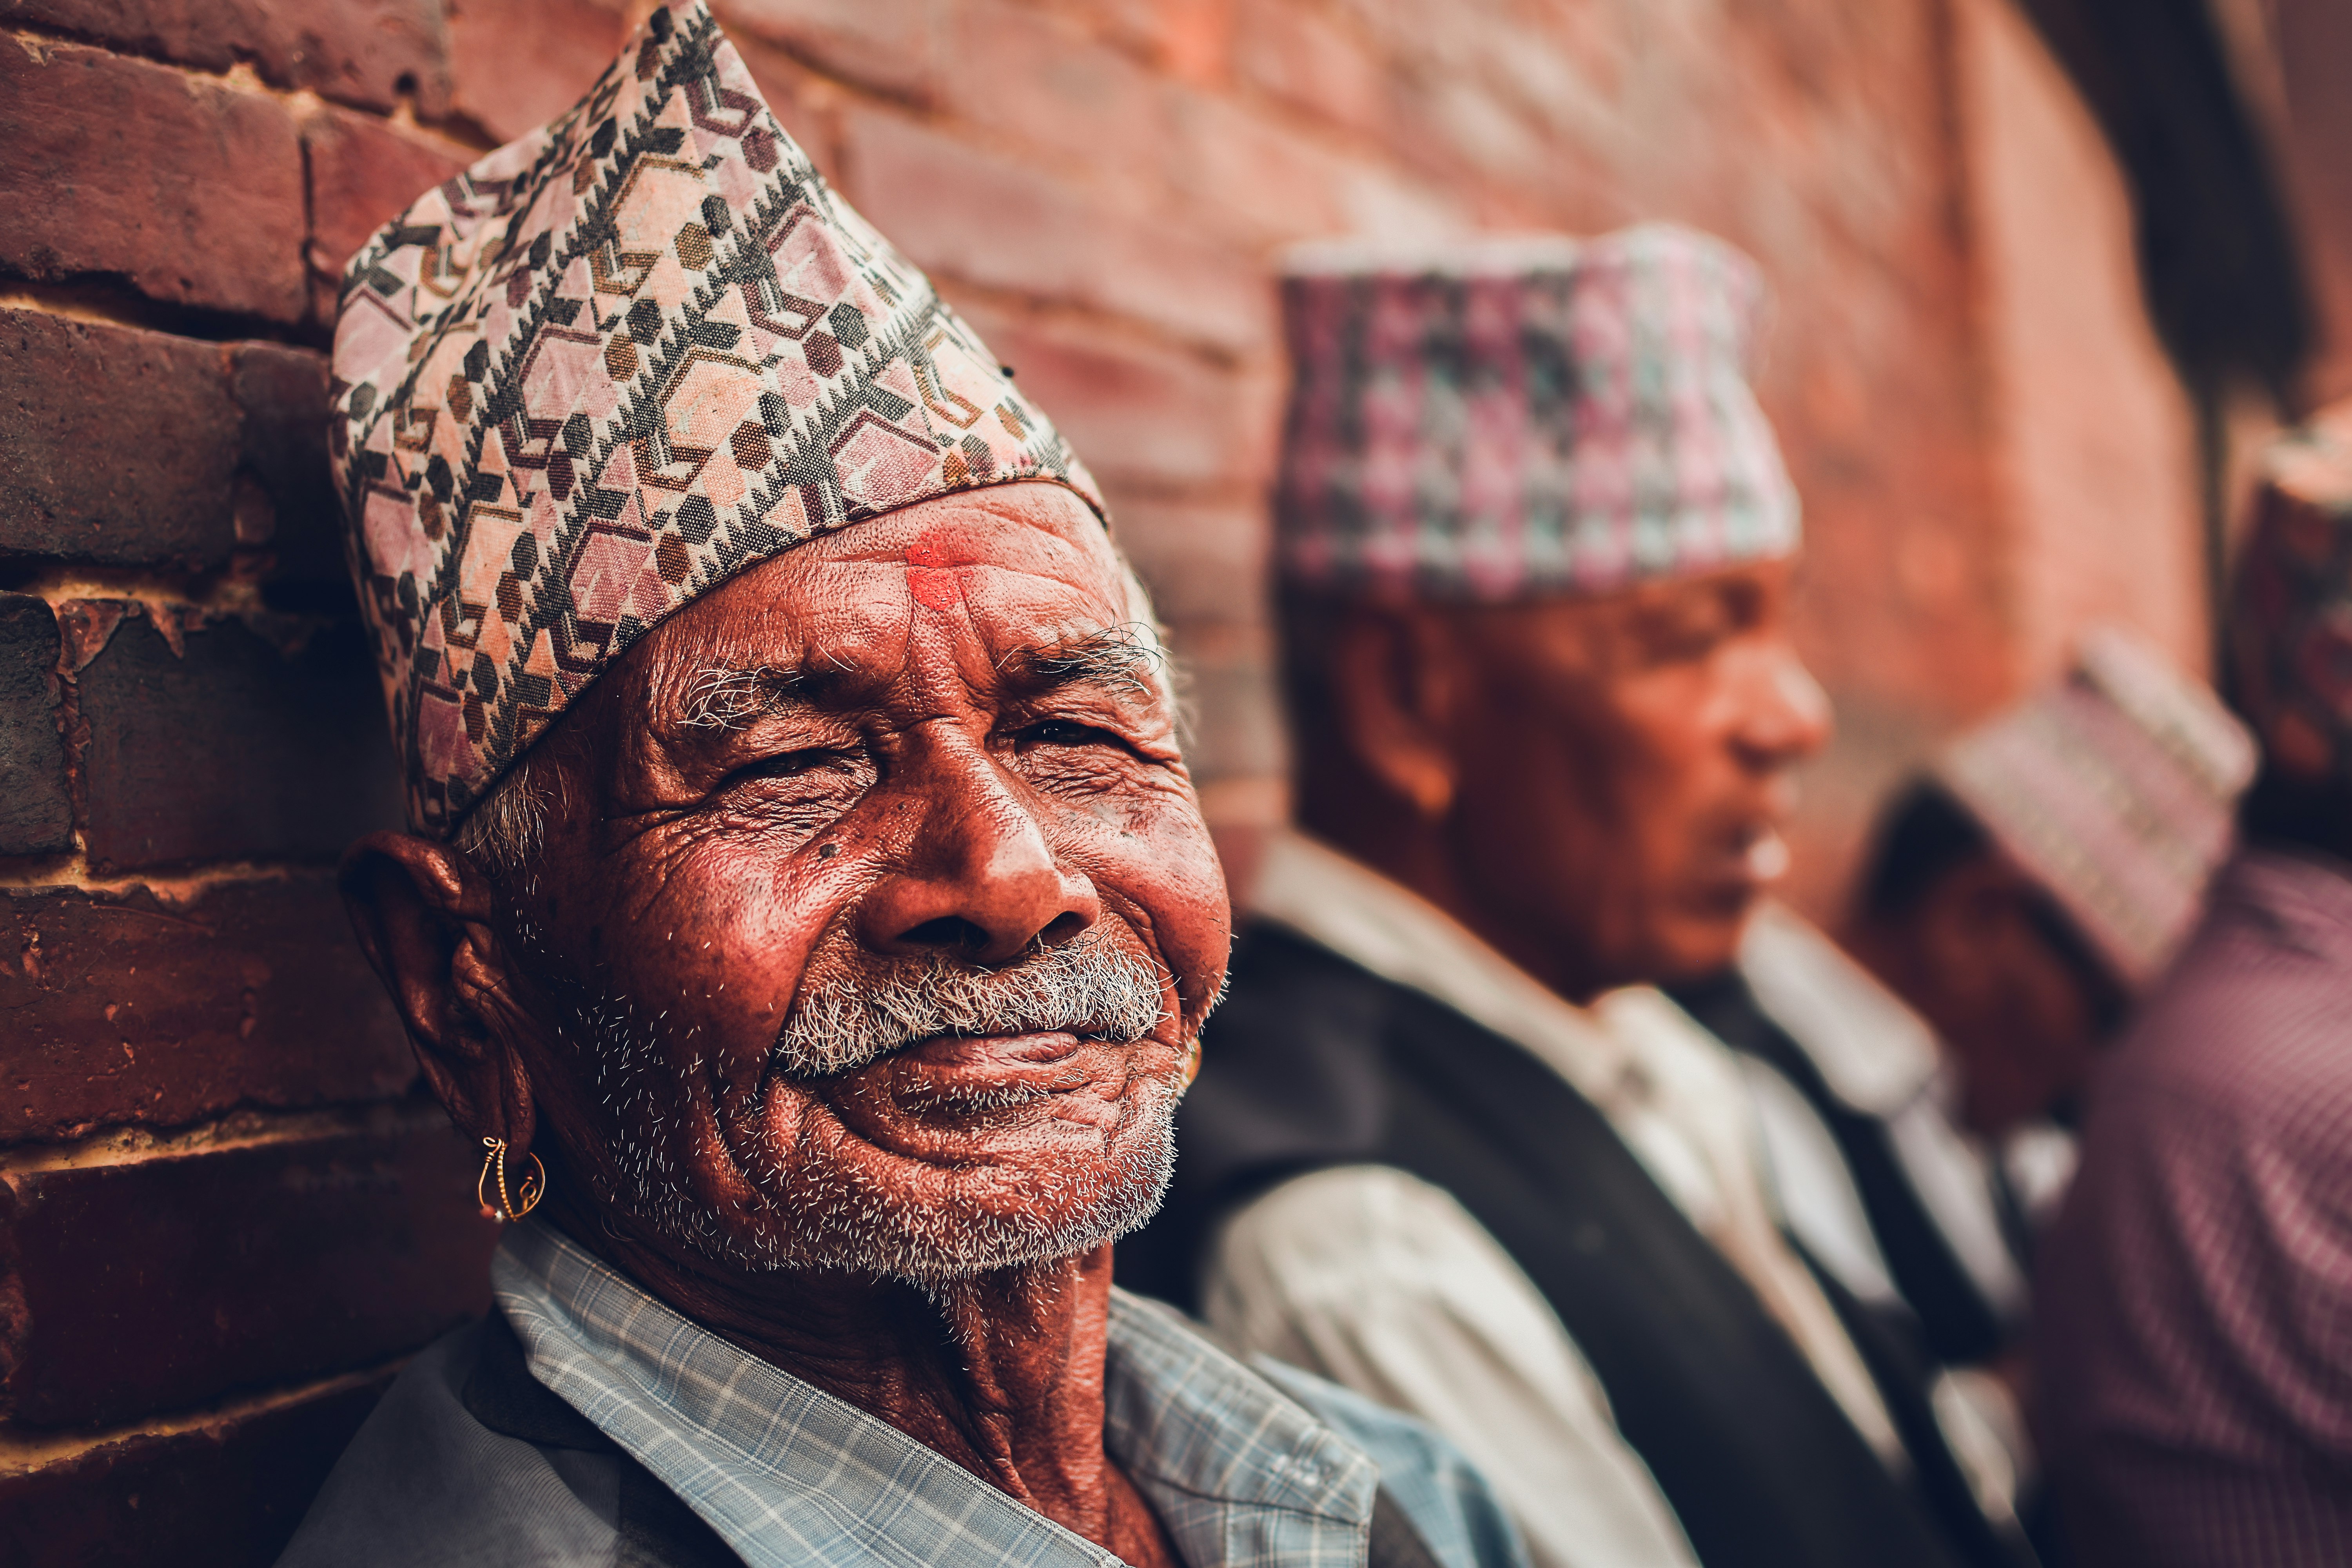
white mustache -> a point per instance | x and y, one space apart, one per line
1080 987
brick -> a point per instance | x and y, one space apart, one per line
190 190
232 749
367 52
1146 418
1206 565
1026 79
1233 722
1202 561
130 448
1460 125
285 498
1004 225
36 806
891 46
1192 40
120 446
226 1491
1297 55
126 1008
1253 182
517 64
363 174
161 1282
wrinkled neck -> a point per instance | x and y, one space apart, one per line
1001 1372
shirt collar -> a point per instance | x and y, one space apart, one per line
1401 937
788 1473
1876 1054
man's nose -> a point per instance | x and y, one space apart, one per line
1784 714
977 883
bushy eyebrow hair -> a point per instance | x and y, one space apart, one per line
725 698
1124 656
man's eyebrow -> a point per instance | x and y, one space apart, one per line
725 698
1126 655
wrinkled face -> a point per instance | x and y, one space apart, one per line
876 914
1626 765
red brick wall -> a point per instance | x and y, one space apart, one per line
224 1213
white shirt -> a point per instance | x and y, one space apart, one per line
1880 1059
1385 1283
1381 1282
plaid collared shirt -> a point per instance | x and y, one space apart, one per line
787 1474
2193 1308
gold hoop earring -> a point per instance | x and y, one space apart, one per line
532 1187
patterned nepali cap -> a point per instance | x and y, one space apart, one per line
2113 788
607 367
1501 419
2290 622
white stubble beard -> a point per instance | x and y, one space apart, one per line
846 1219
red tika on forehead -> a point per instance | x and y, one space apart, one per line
611 365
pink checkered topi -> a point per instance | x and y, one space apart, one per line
2115 788
1499 419
611 365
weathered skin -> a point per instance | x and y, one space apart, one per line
925 789
1593 786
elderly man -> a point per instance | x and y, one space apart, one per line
2047 869
1535 545
2014 900
2194 1334
809 911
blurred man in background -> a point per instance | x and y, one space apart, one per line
2195 1321
2014 900
2013 903
1535 543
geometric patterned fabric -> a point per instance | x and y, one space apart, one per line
1503 419
607 367
2291 621
2114 789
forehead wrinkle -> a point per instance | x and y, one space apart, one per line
783 652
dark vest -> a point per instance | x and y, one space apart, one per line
1314 1062
1959 1324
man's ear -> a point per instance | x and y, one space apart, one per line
422 914
1393 679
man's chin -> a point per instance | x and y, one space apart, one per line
1699 946
847 1205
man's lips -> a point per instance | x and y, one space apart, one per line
951 1055
948 1066
926 1098
1748 862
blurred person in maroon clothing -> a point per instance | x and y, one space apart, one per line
2195 1318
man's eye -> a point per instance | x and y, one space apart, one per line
786 764
1691 635
1063 732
